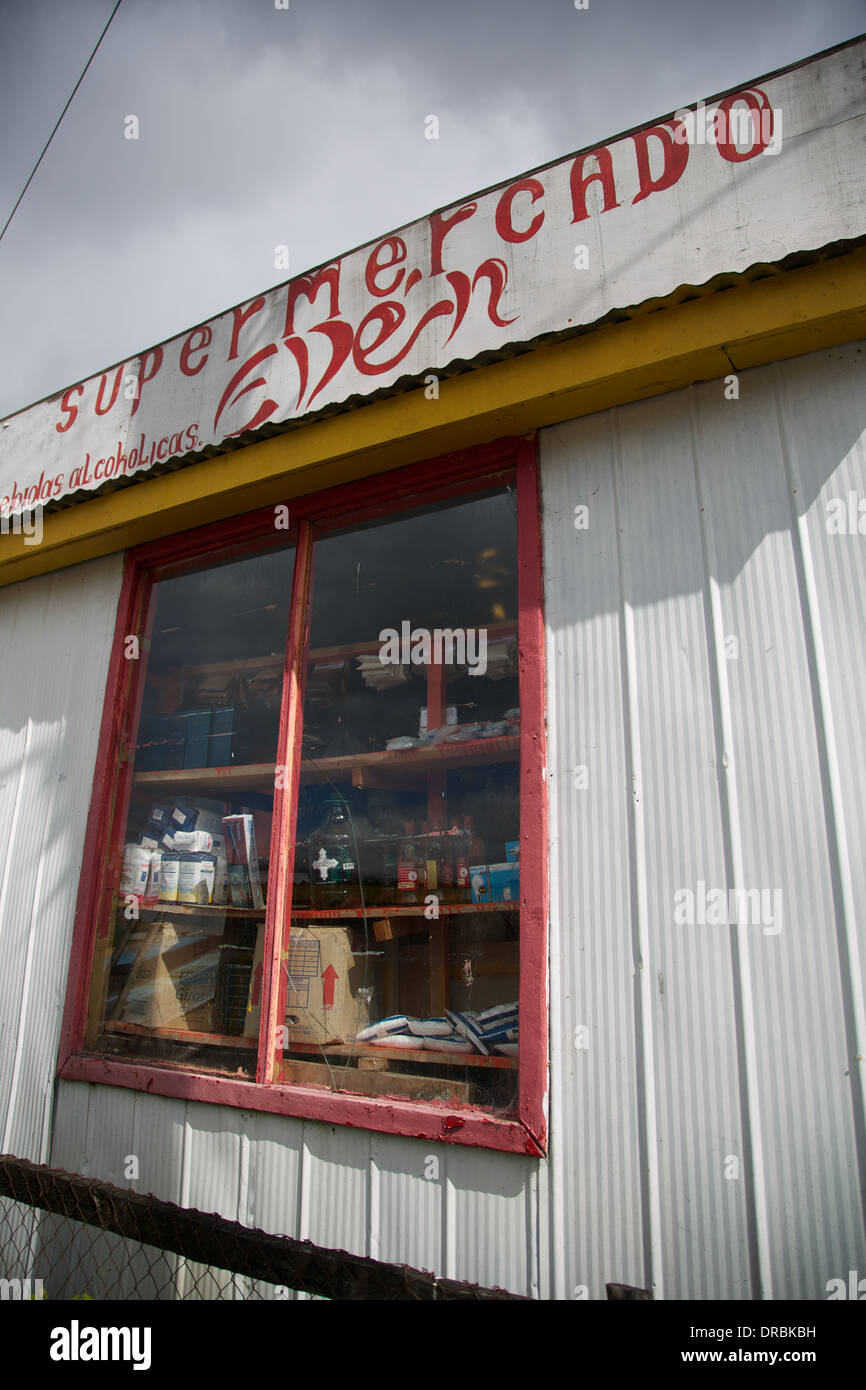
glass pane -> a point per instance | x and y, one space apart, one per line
402 970
173 972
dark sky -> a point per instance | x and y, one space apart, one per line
305 127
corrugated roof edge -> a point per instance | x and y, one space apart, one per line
682 294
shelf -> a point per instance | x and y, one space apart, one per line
138 1030
404 1054
478 752
224 781
326 914
239 777
276 662
205 910
382 910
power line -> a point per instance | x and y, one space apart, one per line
59 119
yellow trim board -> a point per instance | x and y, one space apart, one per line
767 320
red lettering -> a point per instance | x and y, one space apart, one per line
190 347
580 182
160 452
440 226
265 410
496 271
309 286
71 410
104 409
675 148
340 336
144 375
390 316
504 223
397 246
761 113
240 316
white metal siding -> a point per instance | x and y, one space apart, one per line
339 1187
739 766
55 636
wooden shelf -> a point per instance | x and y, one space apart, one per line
477 752
405 1054
325 914
205 910
138 1030
276 662
225 782
240 777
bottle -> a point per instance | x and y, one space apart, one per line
379 853
332 861
462 862
411 878
441 852
469 851
430 857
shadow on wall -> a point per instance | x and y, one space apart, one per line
55 637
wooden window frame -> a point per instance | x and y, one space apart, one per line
383 495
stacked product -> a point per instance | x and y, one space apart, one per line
488 1031
496 883
233 986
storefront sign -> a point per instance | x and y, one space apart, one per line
727 185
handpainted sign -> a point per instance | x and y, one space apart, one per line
745 179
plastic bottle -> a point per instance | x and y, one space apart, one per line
441 853
462 863
411 877
332 859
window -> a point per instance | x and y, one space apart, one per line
321 794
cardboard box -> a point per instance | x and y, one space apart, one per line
495 883
322 1003
504 880
172 981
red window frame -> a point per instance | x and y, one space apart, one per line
383 495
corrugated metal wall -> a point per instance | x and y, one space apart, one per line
55 635
707 663
706 667
372 1194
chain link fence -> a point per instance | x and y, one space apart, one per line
63 1236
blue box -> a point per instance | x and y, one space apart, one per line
222 732
196 725
495 883
504 880
161 743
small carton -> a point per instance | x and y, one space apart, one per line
504 882
322 1002
243 861
172 982
495 883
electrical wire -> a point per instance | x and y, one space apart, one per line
59 119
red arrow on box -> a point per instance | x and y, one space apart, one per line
329 978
